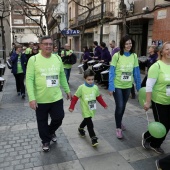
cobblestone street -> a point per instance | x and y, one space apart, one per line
20 145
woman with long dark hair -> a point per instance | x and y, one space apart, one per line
124 68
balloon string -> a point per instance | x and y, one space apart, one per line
147 117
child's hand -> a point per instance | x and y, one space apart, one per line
106 107
71 110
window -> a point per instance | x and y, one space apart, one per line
30 21
19 30
18 12
18 21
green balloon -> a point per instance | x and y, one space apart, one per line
142 96
157 129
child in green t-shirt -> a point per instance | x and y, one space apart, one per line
88 94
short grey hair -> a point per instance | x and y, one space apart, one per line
44 38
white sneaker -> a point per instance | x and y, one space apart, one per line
119 133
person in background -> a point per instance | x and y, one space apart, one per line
13 49
88 94
97 51
105 54
29 49
86 57
24 49
153 56
44 76
158 94
55 50
18 69
124 68
67 67
114 49
91 51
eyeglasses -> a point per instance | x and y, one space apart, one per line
47 44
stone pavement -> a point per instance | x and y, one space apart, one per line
20 146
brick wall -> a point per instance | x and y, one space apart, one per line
161 27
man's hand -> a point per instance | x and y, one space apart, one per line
69 96
33 104
106 107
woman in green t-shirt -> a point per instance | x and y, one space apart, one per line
158 93
124 68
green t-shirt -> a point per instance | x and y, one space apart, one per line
19 66
67 53
161 90
44 77
28 51
87 97
124 69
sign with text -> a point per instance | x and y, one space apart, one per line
70 32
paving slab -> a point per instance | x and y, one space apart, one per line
83 148
71 165
110 161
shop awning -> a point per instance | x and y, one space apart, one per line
137 17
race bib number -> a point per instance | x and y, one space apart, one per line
126 76
168 90
52 81
92 105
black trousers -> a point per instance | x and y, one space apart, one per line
19 79
133 90
165 163
88 122
161 114
56 112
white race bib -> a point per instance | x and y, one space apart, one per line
168 90
52 81
92 105
126 76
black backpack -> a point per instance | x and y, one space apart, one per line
9 63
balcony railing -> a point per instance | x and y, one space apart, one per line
95 14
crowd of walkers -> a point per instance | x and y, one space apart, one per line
46 71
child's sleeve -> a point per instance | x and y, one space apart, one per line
75 98
99 98
101 101
73 102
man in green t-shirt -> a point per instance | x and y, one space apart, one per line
29 49
44 76
67 67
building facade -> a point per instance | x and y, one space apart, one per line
24 26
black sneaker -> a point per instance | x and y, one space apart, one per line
157 150
46 147
23 96
54 137
145 144
81 132
18 93
94 141
157 165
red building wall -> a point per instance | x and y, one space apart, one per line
161 27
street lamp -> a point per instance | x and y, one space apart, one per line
13 34
59 43
44 30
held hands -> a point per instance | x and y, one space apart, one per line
106 107
111 93
69 96
146 106
33 104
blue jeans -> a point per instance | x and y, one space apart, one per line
67 72
121 97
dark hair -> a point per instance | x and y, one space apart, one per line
102 44
95 43
122 44
113 41
86 48
88 73
18 46
44 38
